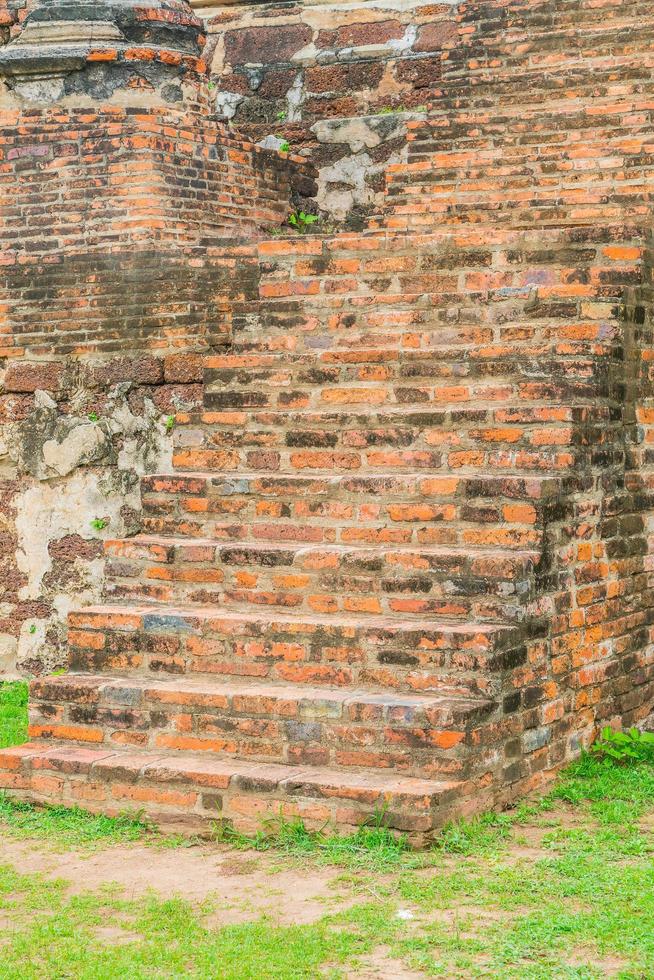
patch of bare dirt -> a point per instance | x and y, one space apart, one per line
378 966
115 936
610 966
240 888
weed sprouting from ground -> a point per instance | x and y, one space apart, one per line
369 846
475 836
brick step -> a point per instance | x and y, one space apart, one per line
469 437
528 40
513 382
293 394
421 655
544 20
465 426
473 198
489 335
487 585
466 413
577 162
423 216
437 288
542 17
342 508
562 182
536 213
557 458
183 792
462 284
540 180
518 81
529 51
415 735
534 129
443 164
374 369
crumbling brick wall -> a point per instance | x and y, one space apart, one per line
337 82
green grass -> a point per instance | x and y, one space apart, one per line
61 826
13 713
69 828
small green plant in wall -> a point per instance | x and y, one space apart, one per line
284 146
32 629
302 221
170 423
93 416
99 523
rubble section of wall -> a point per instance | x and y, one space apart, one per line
76 434
336 81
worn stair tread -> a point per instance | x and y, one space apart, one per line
225 476
436 551
144 615
215 687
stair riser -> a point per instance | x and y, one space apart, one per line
491 89
325 371
529 134
405 660
445 305
449 511
413 742
433 437
253 443
449 526
553 459
448 399
468 434
489 321
418 217
552 155
315 581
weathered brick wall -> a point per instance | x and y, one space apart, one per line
134 175
116 239
316 62
12 14
430 441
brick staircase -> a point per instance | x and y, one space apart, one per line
372 581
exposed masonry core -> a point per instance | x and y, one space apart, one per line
341 517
